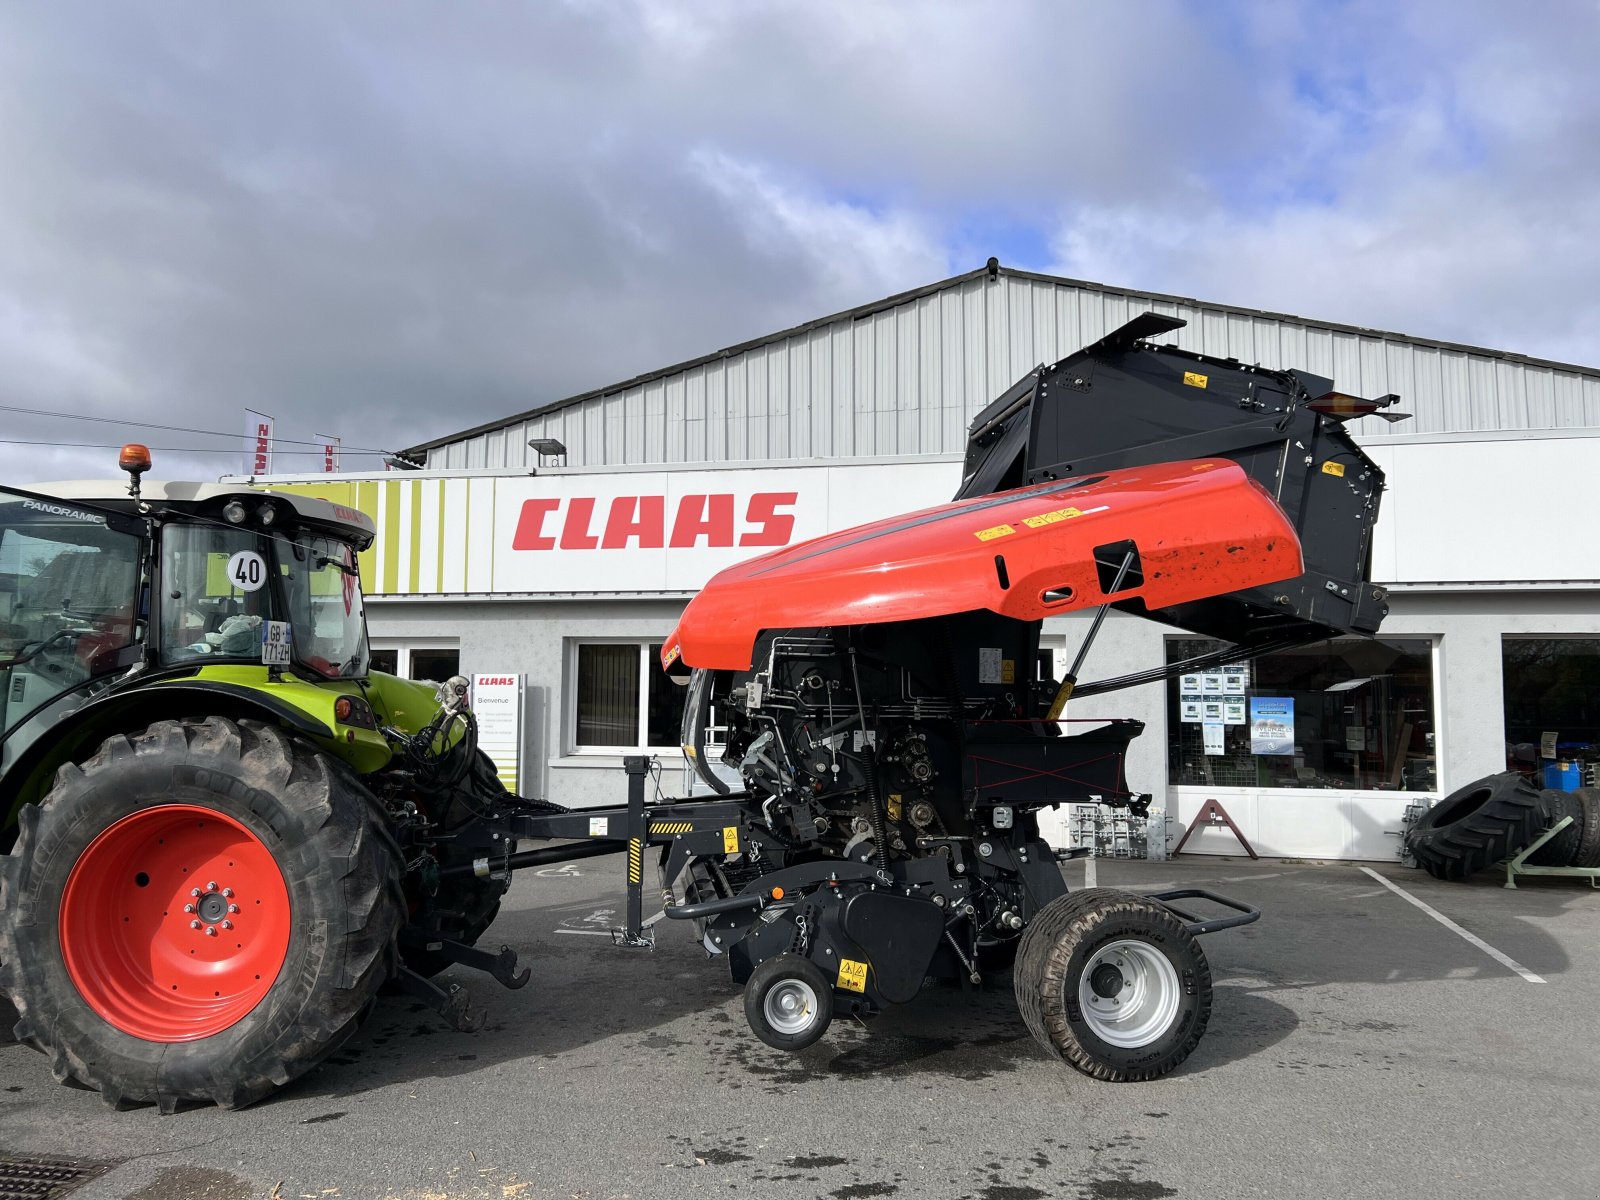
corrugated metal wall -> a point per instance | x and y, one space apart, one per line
907 379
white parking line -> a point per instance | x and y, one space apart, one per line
1504 960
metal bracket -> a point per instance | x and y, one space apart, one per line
452 1002
503 966
1519 865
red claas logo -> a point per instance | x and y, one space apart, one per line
496 680
641 521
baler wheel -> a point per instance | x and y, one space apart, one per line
1113 984
788 1001
200 912
1477 826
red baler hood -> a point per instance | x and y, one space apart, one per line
1202 528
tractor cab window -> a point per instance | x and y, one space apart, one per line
215 593
322 587
69 605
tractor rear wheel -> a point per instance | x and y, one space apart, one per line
1113 984
201 912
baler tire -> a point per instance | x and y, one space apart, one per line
768 984
1476 826
1588 852
1561 850
315 910
1079 935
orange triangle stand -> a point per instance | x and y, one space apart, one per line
1211 813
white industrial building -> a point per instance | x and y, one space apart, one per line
561 570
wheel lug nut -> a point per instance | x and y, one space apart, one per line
227 924
194 891
233 908
211 931
228 892
194 924
189 908
212 886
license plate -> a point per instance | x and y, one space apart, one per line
276 641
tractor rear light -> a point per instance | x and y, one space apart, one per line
352 710
234 512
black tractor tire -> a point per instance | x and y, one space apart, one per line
1561 850
1588 852
788 1001
315 888
1113 984
1477 826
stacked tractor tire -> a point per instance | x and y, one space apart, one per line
1497 817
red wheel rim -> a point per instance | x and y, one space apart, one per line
175 923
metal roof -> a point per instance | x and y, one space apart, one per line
1457 387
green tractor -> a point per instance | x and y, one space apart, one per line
225 834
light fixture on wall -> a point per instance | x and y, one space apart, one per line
548 448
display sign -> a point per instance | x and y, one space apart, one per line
1272 725
497 703
1213 733
1214 695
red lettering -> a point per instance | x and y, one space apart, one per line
575 533
774 528
710 517
530 533
641 517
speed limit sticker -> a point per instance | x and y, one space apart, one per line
247 571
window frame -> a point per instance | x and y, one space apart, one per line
402 648
570 745
1436 699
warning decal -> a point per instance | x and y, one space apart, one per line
852 975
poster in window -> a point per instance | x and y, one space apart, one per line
1233 712
1211 682
1189 709
1271 725
1213 737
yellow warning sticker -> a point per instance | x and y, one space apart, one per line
1194 380
1050 518
896 802
1008 670
1333 468
997 531
730 839
852 975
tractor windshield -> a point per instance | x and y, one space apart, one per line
222 583
70 584
323 590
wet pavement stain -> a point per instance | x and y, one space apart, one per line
195 1183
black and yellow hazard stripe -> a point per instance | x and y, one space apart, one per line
672 827
635 860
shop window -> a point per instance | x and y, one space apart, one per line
1551 695
622 699
1349 713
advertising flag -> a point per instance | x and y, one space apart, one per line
257 443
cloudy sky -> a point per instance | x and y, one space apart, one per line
390 220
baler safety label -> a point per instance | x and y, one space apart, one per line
852 975
730 839
1333 468
599 826
995 531
1195 380
1050 518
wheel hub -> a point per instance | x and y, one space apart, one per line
175 923
1106 980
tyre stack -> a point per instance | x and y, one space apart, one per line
1495 817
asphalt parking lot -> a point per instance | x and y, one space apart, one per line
1358 1048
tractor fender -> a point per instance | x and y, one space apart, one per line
79 734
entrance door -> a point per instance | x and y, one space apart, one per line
71 579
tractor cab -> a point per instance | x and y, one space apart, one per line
100 582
